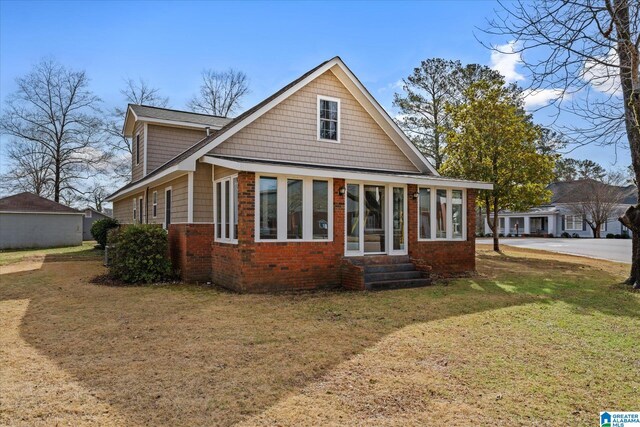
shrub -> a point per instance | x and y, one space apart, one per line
618 236
575 235
480 234
509 235
550 235
100 228
625 235
565 235
610 236
139 254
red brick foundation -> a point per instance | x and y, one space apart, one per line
190 251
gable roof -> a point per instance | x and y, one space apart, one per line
159 115
29 202
103 213
186 160
571 192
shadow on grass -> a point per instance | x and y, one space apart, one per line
196 355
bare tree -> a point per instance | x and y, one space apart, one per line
587 53
598 201
134 92
220 93
54 110
30 169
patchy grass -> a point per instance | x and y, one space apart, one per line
534 339
19 255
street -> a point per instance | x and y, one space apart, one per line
610 249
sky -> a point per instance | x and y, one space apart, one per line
169 44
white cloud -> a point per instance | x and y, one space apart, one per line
505 60
602 77
542 97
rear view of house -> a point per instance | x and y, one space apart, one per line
315 186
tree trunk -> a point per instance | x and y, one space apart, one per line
596 231
496 224
630 82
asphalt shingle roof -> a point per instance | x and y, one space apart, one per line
571 192
29 202
178 115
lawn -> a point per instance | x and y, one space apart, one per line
533 339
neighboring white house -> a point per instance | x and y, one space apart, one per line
30 221
558 217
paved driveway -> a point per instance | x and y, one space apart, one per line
612 249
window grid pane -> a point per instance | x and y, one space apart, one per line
218 210
425 213
268 208
320 210
353 217
328 119
398 218
294 209
441 214
456 212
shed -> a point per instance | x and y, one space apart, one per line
90 216
31 221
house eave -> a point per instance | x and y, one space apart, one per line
305 170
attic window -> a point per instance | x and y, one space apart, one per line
328 119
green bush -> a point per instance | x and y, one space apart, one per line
100 228
139 254
625 235
565 235
610 236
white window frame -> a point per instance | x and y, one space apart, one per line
223 237
338 127
449 218
307 208
154 207
164 220
388 215
142 207
87 213
566 222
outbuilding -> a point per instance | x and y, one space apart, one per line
31 221
90 216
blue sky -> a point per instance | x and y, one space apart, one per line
170 43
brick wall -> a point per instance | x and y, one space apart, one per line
190 250
253 266
443 258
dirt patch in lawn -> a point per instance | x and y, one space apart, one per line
486 345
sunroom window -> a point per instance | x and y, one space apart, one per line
441 214
226 209
290 209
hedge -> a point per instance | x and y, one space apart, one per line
139 254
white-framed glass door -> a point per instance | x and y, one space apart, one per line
375 219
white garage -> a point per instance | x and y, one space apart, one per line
30 221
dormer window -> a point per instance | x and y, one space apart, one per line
328 119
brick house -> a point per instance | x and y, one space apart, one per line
315 186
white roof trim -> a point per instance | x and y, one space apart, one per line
423 165
145 181
42 213
425 180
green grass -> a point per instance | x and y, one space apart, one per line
18 255
533 339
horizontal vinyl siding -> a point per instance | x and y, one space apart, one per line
202 193
288 132
164 143
123 209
